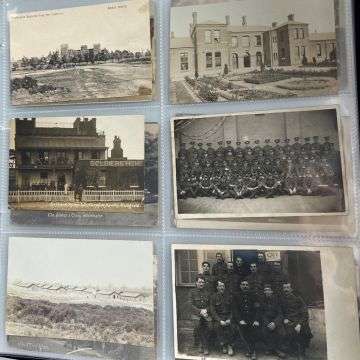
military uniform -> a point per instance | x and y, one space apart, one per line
210 153
295 310
256 282
200 300
201 154
219 271
192 153
221 310
246 308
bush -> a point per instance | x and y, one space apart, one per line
207 94
190 81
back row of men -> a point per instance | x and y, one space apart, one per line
238 306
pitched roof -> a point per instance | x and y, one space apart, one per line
322 36
130 294
181 42
288 23
210 22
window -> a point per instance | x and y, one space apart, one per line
258 40
296 33
95 155
318 49
274 39
302 34
208 37
218 59
281 36
297 51
245 41
234 41
188 266
209 60
282 52
235 61
247 60
216 36
303 51
184 61
275 56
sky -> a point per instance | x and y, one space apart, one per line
318 13
130 129
101 263
121 25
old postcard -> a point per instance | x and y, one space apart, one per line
61 56
64 165
260 164
252 50
264 302
60 300
146 218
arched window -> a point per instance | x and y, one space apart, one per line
235 61
259 58
247 60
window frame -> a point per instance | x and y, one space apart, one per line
207 35
216 37
182 55
318 50
216 57
243 38
209 55
236 43
258 37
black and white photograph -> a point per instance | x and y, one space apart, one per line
148 218
64 165
85 54
246 302
252 50
259 164
75 297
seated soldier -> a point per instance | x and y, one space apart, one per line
296 321
221 312
247 317
271 319
200 305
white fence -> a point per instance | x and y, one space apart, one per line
69 196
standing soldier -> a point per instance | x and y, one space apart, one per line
201 154
221 312
296 146
326 146
316 146
306 148
255 280
200 306
247 317
267 147
210 152
287 147
238 150
240 268
208 278
219 269
278 149
257 148
220 152
296 321
229 149
271 319
232 279
278 279
182 152
263 267
192 153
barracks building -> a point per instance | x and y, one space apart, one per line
212 46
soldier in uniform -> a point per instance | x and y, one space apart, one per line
278 279
221 312
182 152
200 313
232 279
287 147
220 151
316 146
296 146
296 321
278 149
255 280
208 278
210 153
306 148
263 268
238 150
191 153
246 308
326 146
267 147
257 148
201 154
240 268
272 322
229 149
219 269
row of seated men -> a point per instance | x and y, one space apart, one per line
234 308
309 169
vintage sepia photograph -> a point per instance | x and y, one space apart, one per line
148 218
252 50
60 303
74 164
94 53
246 302
260 164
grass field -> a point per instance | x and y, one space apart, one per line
99 82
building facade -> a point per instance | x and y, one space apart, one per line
215 48
55 158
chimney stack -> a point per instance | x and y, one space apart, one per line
291 17
194 15
244 21
274 24
227 18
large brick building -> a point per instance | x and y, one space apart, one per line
50 157
214 48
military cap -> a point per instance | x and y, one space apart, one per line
192 143
267 140
238 143
277 140
257 141
247 142
220 142
287 140
228 141
296 138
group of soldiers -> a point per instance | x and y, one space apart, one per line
272 169
234 306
